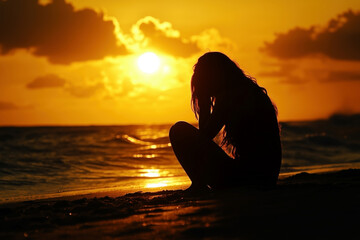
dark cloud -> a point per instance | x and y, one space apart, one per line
338 40
325 72
7 106
336 76
47 81
57 31
285 72
162 37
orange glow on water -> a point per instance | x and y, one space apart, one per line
156 185
158 178
156 146
166 181
150 173
144 155
130 139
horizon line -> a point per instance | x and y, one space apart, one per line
168 123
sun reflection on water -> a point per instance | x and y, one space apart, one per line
150 173
156 146
156 178
144 155
157 184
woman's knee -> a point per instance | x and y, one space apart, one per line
180 128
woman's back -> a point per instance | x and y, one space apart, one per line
252 129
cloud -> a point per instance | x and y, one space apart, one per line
305 70
211 40
63 35
57 31
7 106
85 91
153 34
286 73
96 79
47 81
338 40
336 76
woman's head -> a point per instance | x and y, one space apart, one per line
213 73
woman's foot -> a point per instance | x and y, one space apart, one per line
197 189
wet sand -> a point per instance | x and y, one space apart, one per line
303 206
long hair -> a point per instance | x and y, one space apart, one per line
213 73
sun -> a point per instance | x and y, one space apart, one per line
148 62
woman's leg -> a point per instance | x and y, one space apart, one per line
202 159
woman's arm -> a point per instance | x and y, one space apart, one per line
205 108
211 123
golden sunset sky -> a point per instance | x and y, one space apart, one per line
76 62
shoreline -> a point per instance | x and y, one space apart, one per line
120 191
305 204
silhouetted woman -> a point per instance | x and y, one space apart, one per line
223 97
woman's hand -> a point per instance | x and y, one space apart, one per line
210 123
205 108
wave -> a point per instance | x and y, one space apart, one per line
344 119
128 139
157 143
323 139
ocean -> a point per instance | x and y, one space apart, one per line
43 162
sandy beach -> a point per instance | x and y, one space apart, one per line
303 206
